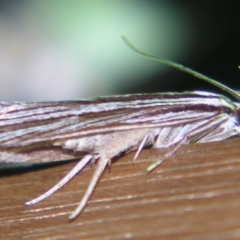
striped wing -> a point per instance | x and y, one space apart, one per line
23 124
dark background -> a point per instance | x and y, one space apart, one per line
216 51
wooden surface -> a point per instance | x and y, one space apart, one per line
193 195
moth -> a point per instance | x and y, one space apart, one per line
102 128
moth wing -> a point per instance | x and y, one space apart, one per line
41 124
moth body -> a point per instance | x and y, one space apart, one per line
111 144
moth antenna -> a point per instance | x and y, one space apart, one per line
101 165
180 67
67 178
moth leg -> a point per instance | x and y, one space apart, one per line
206 127
140 147
165 156
142 144
93 161
101 165
67 178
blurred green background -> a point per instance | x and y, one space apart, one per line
59 49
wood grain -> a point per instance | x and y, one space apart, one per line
193 195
